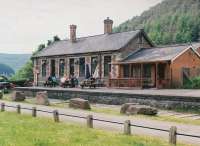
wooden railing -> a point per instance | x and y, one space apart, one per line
125 82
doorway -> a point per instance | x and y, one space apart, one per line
185 76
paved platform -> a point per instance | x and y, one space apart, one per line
159 92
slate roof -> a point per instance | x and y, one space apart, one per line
196 45
104 42
156 54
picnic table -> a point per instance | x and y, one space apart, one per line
51 82
91 83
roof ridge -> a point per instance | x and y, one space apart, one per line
103 34
175 45
119 38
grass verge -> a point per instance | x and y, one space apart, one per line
116 111
23 130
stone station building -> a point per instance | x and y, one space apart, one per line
126 59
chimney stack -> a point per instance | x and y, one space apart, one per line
108 23
73 33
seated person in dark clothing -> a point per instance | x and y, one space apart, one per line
49 79
72 82
92 79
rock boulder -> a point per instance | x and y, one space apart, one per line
42 98
132 109
79 103
18 96
125 107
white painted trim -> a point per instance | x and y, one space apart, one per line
190 47
196 52
173 59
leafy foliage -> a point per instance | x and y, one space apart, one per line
40 47
26 72
193 83
56 38
49 42
171 21
3 79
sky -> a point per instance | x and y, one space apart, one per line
24 24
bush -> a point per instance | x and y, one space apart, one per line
192 84
25 73
20 82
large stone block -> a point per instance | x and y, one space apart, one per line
79 103
42 98
125 107
1 94
131 109
18 96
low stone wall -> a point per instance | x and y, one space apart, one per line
159 101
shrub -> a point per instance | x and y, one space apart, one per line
192 84
19 82
25 73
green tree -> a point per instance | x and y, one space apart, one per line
49 42
40 48
26 72
171 21
56 38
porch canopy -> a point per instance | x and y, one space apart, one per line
147 67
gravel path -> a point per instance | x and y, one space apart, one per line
182 128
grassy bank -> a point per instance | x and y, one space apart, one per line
116 111
23 130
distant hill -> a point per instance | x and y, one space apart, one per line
15 61
171 21
6 70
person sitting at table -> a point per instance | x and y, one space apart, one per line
54 81
63 80
48 81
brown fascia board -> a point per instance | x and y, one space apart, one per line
141 62
78 54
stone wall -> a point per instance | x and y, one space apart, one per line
164 102
87 57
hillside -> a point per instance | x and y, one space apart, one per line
6 70
15 61
171 21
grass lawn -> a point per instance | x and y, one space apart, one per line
23 130
116 111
